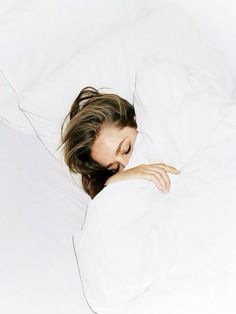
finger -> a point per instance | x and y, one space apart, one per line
165 177
163 173
158 180
167 168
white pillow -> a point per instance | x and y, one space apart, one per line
38 37
112 62
181 105
10 112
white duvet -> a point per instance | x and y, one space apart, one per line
140 251
143 251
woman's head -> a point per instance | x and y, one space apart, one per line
98 137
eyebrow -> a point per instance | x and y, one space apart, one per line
119 147
117 151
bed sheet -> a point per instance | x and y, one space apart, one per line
41 207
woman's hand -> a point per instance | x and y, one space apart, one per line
157 173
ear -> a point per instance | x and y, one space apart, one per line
134 118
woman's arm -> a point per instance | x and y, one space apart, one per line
157 173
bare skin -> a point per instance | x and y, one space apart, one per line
113 148
157 173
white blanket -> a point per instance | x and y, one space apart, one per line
143 251
40 209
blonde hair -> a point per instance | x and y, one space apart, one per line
90 110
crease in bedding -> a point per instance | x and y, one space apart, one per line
144 251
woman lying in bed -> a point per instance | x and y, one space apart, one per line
98 141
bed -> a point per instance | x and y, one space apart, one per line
131 250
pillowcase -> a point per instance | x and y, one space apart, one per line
39 37
112 63
182 107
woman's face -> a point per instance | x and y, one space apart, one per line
113 147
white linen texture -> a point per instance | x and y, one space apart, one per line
40 209
58 59
150 253
38 38
143 251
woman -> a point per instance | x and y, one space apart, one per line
98 141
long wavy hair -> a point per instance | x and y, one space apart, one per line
80 128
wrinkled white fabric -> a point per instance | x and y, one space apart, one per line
56 60
143 251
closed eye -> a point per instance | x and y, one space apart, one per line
126 153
